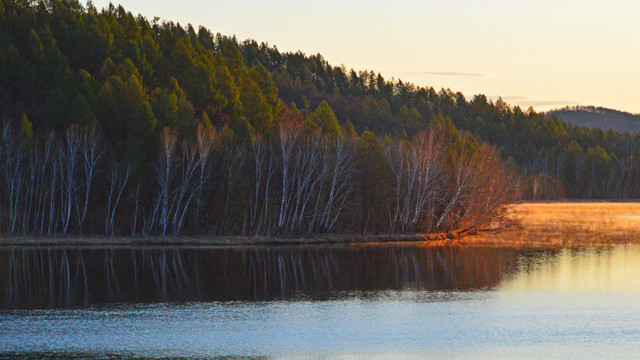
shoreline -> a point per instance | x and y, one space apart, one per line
530 225
436 239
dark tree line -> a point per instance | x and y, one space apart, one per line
296 179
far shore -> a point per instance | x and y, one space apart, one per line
534 224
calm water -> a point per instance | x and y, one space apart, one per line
348 302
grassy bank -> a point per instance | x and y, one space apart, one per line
438 239
569 224
536 225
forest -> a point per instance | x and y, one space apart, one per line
114 124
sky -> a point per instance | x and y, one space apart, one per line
543 53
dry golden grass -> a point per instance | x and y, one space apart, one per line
569 224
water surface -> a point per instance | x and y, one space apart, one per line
354 302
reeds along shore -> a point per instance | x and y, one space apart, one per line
570 224
291 181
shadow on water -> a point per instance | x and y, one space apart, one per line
106 356
60 277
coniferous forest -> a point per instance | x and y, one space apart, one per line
115 124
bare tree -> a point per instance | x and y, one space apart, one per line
259 187
164 171
54 180
306 174
68 156
118 180
340 178
207 139
234 157
194 174
417 179
493 187
12 172
288 135
91 154
460 183
136 200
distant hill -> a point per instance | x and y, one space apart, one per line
599 117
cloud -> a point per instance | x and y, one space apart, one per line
510 98
549 102
452 73
524 101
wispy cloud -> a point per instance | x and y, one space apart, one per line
550 102
510 98
451 73
524 101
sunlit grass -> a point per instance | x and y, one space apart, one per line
570 224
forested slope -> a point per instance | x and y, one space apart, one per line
557 159
117 124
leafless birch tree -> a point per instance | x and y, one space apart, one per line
416 169
91 154
68 160
117 179
165 165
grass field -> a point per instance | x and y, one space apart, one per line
569 224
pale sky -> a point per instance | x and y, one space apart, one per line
543 53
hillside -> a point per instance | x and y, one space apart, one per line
599 117
118 124
114 124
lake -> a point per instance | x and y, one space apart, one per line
385 301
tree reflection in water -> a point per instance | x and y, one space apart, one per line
63 277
